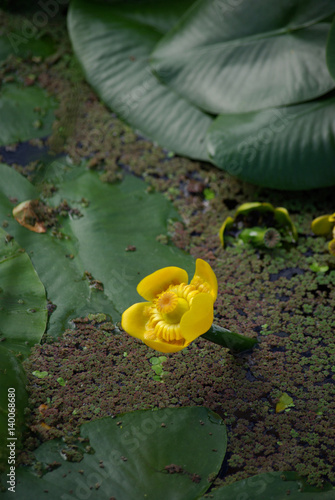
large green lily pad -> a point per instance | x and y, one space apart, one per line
113 43
167 454
114 218
272 486
331 50
23 318
17 44
243 56
283 148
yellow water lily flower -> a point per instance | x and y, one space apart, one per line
281 221
176 313
323 225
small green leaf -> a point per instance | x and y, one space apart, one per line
154 360
157 369
285 401
162 359
209 194
318 268
61 381
38 374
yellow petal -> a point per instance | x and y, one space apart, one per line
204 273
160 280
254 205
321 226
199 318
162 346
134 319
282 217
331 247
226 225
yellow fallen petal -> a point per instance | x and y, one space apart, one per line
225 226
160 280
204 273
134 319
199 318
161 346
321 226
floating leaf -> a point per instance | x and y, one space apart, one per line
225 59
20 108
281 148
285 401
23 318
272 486
158 369
317 268
113 43
330 53
106 228
15 43
39 374
141 458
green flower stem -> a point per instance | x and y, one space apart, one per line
235 342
